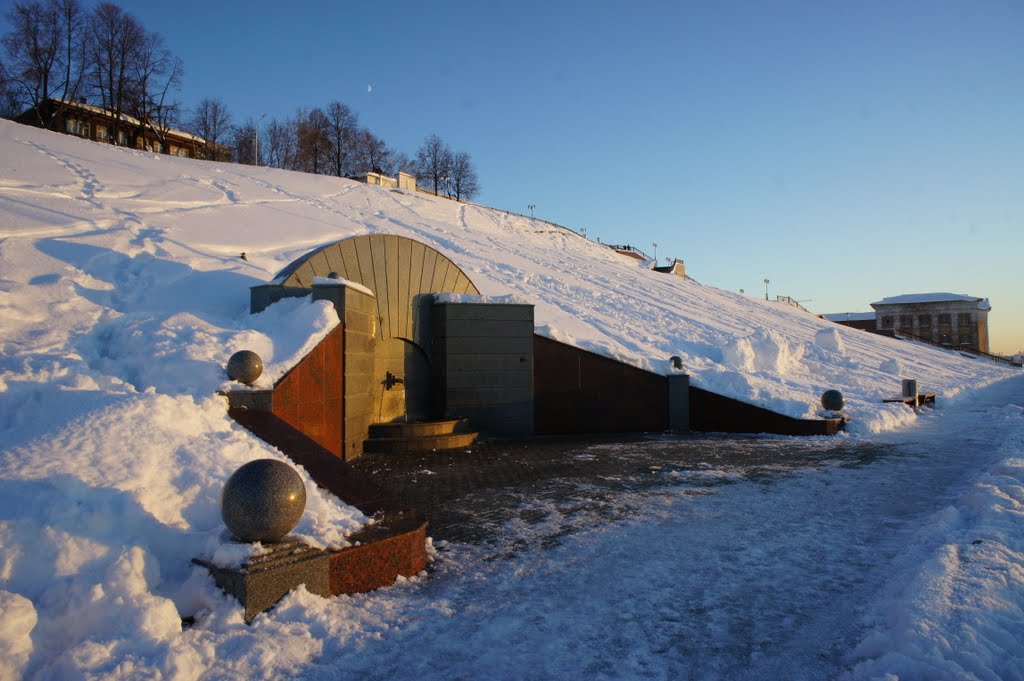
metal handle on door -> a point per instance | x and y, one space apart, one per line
390 381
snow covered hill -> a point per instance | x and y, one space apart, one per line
94 233
122 294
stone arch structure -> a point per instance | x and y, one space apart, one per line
397 269
386 346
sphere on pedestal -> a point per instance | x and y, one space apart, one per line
333 275
677 362
245 366
262 501
832 400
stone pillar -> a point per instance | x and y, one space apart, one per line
358 314
679 403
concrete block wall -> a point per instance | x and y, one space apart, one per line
482 363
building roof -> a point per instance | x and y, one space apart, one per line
911 298
849 316
100 111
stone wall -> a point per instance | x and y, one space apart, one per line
482 363
580 392
309 397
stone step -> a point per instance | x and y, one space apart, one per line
426 443
418 429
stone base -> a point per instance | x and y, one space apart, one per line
266 579
392 546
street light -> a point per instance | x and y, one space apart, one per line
260 120
655 254
766 288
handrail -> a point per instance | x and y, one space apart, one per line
972 351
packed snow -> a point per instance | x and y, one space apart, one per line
123 293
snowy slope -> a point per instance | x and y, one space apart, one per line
122 296
97 230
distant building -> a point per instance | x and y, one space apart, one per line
678 268
97 124
403 181
857 320
949 319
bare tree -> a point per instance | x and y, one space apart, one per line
43 52
243 143
463 182
433 163
211 120
342 129
314 144
401 163
155 72
9 105
280 145
372 154
117 39
74 28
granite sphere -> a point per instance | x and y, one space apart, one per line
245 366
832 400
333 275
262 501
677 362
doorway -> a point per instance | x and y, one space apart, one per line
401 382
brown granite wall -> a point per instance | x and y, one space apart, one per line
309 397
711 412
576 391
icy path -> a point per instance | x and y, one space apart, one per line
731 575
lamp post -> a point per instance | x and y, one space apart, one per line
258 121
531 207
766 288
655 254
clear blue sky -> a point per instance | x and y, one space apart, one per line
847 151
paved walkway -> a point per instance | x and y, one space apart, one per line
474 495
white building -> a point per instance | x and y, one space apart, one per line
950 319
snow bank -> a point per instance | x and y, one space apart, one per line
956 609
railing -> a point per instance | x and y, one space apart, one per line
792 301
946 346
629 249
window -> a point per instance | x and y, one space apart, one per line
924 325
73 126
886 322
907 323
946 328
963 320
122 138
101 133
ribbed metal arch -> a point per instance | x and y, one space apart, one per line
397 269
